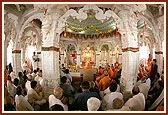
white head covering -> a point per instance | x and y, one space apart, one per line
93 104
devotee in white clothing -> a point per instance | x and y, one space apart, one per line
13 75
38 78
26 67
137 102
93 104
10 86
107 91
144 88
148 82
33 96
107 102
34 74
35 60
21 103
56 99
117 104
28 84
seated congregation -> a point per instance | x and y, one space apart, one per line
24 91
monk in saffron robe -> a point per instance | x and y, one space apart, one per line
110 72
149 60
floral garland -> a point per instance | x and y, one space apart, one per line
80 36
92 27
78 30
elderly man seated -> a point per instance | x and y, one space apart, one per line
35 98
21 103
137 102
93 104
107 102
117 104
57 98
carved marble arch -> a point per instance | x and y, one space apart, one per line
108 44
152 25
146 38
35 38
82 15
70 43
9 30
38 15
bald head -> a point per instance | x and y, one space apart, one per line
58 92
118 103
93 104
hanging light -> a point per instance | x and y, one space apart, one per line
33 21
65 30
45 13
136 16
90 13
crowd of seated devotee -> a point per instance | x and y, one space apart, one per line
23 91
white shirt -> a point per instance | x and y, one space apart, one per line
38 78
107 91
33 76
62 73
13 76
148 82
35 63
42 83
136 103
107 102
22 104
144 88
28 84
11 88
53 100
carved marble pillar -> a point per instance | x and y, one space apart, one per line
62 55
78 57
129 69
50 54
23 50
130 52
113 57
16 56
159 58
120 55
108 57
97 57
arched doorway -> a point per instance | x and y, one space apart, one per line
71 55
104 55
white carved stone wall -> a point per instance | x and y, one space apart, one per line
50 53
129 70
16 62
159 58
62 55
50 69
